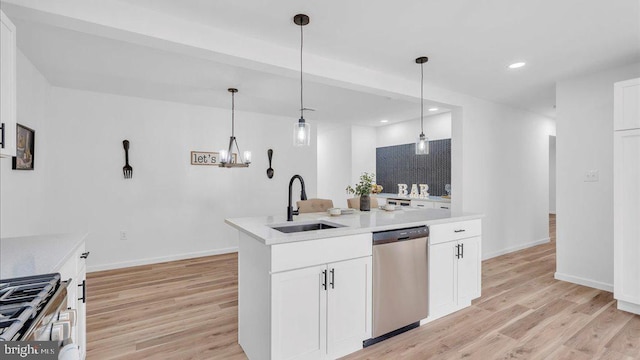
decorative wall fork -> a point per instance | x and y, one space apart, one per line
127 170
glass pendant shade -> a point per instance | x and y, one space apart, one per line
301 133
246 156
224 156
422 145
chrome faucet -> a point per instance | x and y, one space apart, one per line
303 196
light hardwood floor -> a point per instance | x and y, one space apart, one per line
188 310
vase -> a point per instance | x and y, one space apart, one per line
365 203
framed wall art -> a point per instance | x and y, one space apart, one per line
25 146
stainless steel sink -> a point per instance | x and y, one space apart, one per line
294 228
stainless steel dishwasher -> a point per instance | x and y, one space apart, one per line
400 281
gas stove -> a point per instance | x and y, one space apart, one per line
28 305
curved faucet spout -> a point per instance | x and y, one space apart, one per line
303 196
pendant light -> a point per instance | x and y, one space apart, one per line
226 155
301 129
422 145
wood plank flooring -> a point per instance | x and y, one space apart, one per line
188 310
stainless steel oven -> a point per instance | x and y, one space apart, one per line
34 308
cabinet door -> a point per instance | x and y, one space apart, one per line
8 85
626 107
298 314
469 273
81 309
348 306
442 278
626 210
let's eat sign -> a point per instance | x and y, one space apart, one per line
208 158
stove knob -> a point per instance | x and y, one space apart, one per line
69 315
60 330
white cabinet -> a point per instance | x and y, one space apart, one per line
626 195
454 266
298 312
321 311
7 87
304 300
422 203
442 205
626 105
75 270
430 204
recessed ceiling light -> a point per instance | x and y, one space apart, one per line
384 121
517 65
433 109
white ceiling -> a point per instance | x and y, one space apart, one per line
81 61
469 43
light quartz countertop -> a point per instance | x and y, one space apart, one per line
357 223
33 255
396 196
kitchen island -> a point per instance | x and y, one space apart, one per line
308 294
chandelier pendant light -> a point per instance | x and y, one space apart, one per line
301 129
227 158
422 145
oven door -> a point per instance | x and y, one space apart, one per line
56 323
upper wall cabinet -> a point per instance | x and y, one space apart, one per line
626 106
7 86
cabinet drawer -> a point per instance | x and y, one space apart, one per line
454 231
442 205
422 204
313 252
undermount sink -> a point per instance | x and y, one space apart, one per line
294 228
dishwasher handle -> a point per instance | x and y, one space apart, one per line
384 237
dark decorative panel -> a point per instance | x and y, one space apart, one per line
399 164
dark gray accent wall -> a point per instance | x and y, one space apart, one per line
399 164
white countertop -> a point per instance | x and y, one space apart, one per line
33 255
357 223
396 196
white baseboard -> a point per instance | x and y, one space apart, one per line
629 307
515 248
160 259
585 282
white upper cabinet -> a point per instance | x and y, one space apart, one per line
7 86
626 106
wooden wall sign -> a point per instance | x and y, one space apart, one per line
208 158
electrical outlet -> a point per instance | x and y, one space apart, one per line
123 235
592 176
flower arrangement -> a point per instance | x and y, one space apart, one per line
366 185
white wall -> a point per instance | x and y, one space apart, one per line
505 155
344 153
552 174
22 204
584 224
334 162
363 152
169 209
436 127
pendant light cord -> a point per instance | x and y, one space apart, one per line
301 86
421 99
233 111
